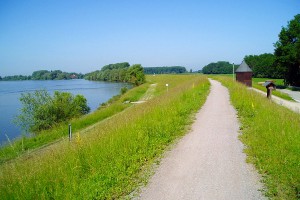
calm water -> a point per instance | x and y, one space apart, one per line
10 92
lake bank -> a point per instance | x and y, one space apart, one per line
96 92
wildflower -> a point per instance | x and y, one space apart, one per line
78 139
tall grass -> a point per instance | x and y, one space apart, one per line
271 134
107 162
27 144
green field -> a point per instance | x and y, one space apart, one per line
271 134
111 158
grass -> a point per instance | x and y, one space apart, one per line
255 81
108 161
271 134
27 144
278 82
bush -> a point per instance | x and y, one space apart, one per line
41 111
124 90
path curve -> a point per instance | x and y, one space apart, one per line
207 163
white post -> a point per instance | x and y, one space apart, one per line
167 85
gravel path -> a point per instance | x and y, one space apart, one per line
208 163
294 94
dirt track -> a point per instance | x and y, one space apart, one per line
208 163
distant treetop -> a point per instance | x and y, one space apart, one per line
221 67
165 70
45 75
119 72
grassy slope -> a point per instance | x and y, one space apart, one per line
271 134
107 162
26 145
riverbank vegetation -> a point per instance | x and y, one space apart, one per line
271 134
41 111
119 72
44 75
109 160
25 145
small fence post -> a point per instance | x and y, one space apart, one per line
70 132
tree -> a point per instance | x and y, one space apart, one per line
287 51
221 67
135 74
41 111
119 72
165 70
263 66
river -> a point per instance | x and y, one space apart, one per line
96 92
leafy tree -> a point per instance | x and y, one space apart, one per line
287 51
45 75
221 67
263 66
41 111
116 66
165 70
119 72
135 74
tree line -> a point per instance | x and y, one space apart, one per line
284 63
221 67
45 75
119 72
165 70
264 66
42 111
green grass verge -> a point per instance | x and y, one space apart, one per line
255 84
271 134
27 144
108 161
279 82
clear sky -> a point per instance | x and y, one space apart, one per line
82 36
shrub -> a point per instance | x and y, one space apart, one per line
41 111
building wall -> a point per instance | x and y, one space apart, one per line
245 78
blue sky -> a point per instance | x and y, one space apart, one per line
83 36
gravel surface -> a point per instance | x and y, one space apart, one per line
294 94
207 163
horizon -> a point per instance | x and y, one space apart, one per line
81 37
